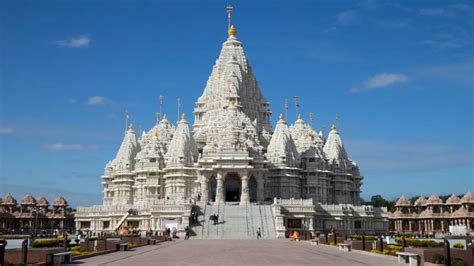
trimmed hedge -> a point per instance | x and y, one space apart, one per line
417 243
47 243
359 237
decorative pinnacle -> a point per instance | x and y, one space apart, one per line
183 116
282 118
300 117
155 134
333 127
165 117
130 126
232 31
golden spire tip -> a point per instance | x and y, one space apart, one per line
282 118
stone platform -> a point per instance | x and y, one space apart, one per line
237 252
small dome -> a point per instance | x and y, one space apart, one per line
402 201
468 198
453 200
60 202
9 200
421 201
28 200
434 200
42 202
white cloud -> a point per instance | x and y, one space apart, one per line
63 147
383 80
98 100
6 130
348 17
449 11
75 42
460 74
433 11
379 81
406 156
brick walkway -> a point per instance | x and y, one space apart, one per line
238 252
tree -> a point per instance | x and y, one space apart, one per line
379 201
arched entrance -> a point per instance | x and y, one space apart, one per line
253 189
232 188
212 188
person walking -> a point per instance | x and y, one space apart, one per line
186 237
259 233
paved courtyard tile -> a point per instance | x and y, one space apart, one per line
237 252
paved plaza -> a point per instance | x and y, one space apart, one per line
238 252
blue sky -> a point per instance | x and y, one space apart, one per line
399 73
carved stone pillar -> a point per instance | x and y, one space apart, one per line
204 189
244 197
220 190
260 189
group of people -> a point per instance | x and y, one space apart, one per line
214 218
171 234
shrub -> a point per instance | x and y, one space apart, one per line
386 252
437 258
47 243
393 252
413 242
359 237
458 262
458 245
394 247
376 251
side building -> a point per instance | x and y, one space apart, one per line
35 216
429 216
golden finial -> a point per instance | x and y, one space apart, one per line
165 117
232 31
300 117
282 118
183 116
130 126
333 127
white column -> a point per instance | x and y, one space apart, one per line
244 197
204 189
220 193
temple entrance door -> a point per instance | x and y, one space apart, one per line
212 189
232 188
253 189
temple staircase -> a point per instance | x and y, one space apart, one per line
235 222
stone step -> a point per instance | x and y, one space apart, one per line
235 222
